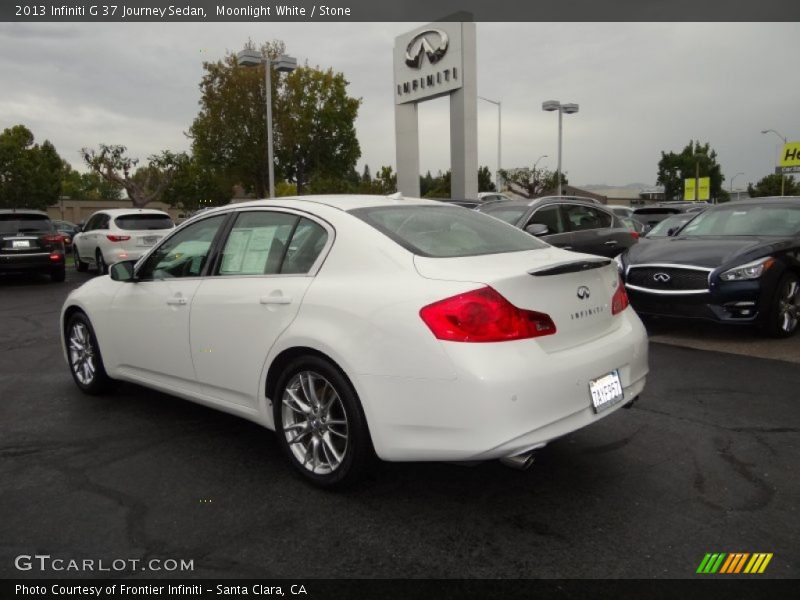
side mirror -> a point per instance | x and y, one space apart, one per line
122 271
672 231
537 229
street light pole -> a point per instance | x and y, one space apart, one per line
499 104
734 179
286 64
785 141
551 105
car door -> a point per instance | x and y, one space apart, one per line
595 230
85 239
150 324
558 233
263 270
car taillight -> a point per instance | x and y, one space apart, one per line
53 239
56 256
635 235
483 315
118 238
619 301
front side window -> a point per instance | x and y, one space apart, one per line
257 243
444 232
183 254
550 216
582 218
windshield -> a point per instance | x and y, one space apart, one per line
21 223
662 229
140 222
444 232
779 221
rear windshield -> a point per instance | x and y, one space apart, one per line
444 232
144 222
21 223
509 214
780 220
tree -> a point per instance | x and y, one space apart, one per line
144 185
674 168
195 185
485 180
30 173
533 182
771 186
385 181
315 125
87 186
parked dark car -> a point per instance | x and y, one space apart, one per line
68 230
568 223
30 243
652 215
734 263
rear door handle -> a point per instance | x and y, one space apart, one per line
611 243
176 301
275 300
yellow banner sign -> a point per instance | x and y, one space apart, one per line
705 188
689 189
697 189
790 156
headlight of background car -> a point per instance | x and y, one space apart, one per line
752 270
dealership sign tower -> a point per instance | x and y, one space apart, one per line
429 62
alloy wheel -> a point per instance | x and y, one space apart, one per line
82 354
315 422
789 306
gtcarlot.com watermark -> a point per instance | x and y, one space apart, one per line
48 563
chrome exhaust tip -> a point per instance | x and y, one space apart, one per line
521 462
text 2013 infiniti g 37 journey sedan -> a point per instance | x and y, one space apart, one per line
355 325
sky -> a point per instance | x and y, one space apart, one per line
642 88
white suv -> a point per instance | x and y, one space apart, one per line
118 234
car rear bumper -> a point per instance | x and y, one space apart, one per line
507 398
38 261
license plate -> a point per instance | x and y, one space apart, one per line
605 391
149 240
20 244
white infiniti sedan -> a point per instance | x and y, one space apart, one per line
363 325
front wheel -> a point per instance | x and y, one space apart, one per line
85 360
784 315
320 423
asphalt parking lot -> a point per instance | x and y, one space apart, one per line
706 462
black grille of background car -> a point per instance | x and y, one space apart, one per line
679 279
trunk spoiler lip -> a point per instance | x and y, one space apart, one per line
571 266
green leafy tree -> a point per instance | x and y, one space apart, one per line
485 183
87 186
195 185
385 181
674 168
144 184
315 126
30 173
770 185
533 182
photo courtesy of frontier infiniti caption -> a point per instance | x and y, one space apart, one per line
357 326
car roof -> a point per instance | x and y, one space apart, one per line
23 211
344 202
765 200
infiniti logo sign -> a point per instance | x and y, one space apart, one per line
431 43
661 277
583 292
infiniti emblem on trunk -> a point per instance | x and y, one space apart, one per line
583 292
662 277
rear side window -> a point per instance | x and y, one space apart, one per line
444 232
138 222
22 223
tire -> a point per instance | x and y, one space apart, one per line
79 264
83 355
58 275
99 261
333 447
784 312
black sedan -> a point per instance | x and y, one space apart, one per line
568 223
734 263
